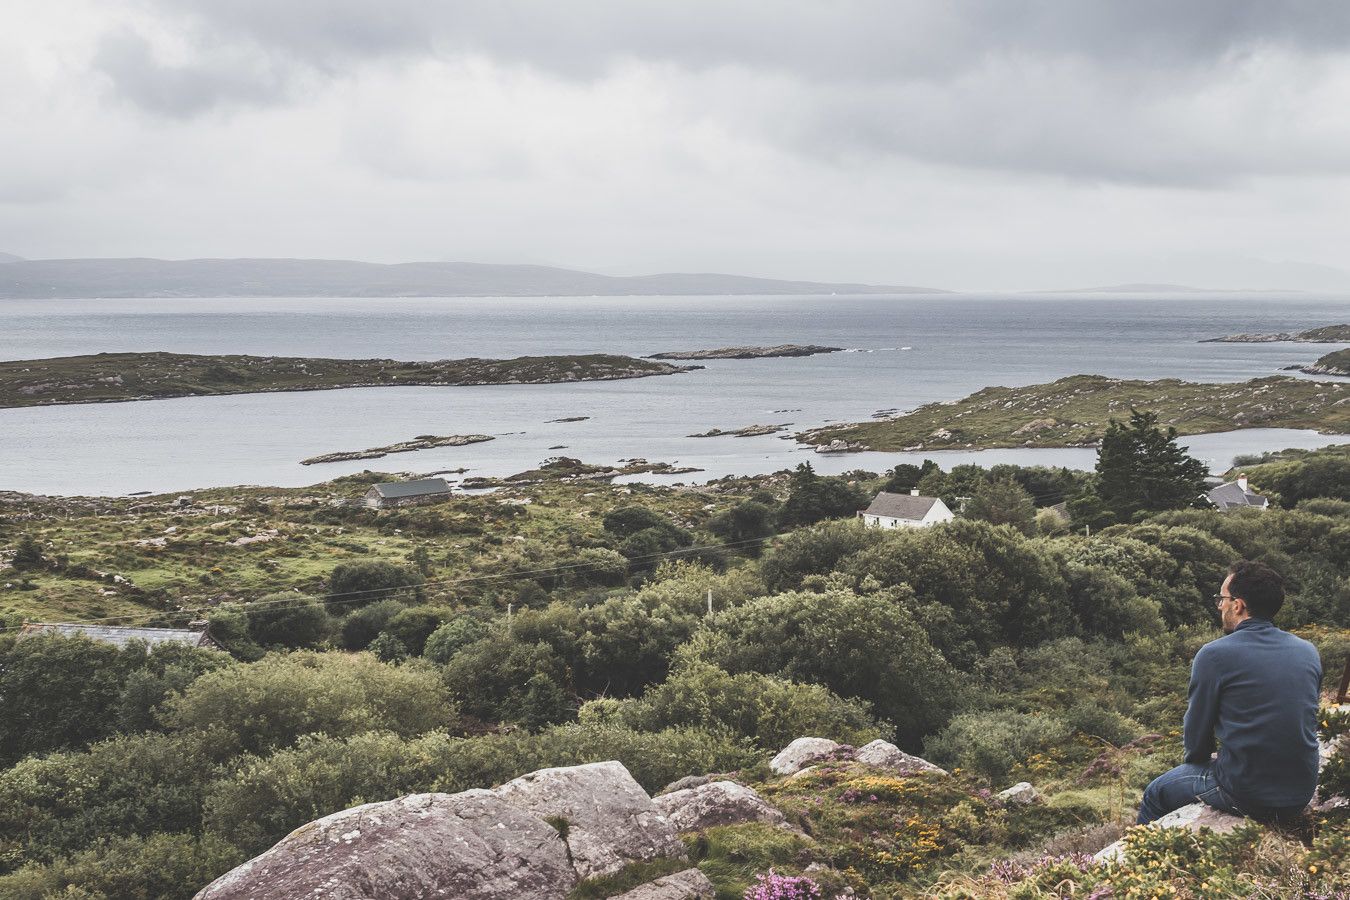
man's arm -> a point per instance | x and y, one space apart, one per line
1202 710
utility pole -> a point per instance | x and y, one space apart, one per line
710 611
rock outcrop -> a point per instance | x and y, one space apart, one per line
716 803
691 884
473 846
801 753
536 836
1192 817
881 754
610 820
804 752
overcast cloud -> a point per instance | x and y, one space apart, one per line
994 144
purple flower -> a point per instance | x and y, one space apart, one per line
783 887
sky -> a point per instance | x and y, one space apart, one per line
995 145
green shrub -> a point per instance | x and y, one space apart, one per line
154 867
358 584
287 620
268 704
992 743
453 636
362 626
769 710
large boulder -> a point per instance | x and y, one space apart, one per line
472 845
885 755
691 884
716 803
607 818
801 753
1192 817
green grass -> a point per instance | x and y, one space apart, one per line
627 878
1074 412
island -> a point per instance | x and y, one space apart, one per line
747 431
567 468
421 442
748 352
116 377
1074 412
1328 334
1337 363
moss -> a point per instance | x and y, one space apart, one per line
630 876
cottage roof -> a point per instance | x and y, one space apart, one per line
121 635
1227 496
419 488
900 506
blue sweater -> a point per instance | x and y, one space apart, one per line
1256 690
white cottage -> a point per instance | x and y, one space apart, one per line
905 511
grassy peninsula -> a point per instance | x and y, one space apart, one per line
1327 334
113 377
1337 363
1074 411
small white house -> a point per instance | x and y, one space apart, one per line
905 511
1236 495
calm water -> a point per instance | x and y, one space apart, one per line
905 351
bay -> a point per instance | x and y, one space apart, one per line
903 351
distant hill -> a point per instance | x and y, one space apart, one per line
75 278
9 258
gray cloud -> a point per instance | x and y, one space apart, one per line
1085 89
213 78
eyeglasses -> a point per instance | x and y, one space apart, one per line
1219 598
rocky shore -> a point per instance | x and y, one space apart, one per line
1328 334
1075 411
421 442
747 431
748 352
1336 364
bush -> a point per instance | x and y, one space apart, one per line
992 743
65 802
498 679
155 867
453 636
287 620
863 646
363 625
812 551
769 710
359 583
414 625
268 704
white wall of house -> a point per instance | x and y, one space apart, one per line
938 512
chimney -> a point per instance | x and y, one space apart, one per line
914 492
1242 482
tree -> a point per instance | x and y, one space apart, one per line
906 476
28 554
747 521
1003 502
287 620
1140 468
812 497
359 583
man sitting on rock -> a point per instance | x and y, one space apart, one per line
1256 691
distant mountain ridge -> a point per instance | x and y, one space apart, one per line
9 258
141 277
1150 288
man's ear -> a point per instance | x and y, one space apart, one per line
1242 609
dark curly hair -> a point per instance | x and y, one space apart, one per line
1257 585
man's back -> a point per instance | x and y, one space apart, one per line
1256 690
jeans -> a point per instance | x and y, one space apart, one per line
1185 784
1190 782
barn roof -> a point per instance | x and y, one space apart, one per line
121 635
420 488
900 506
